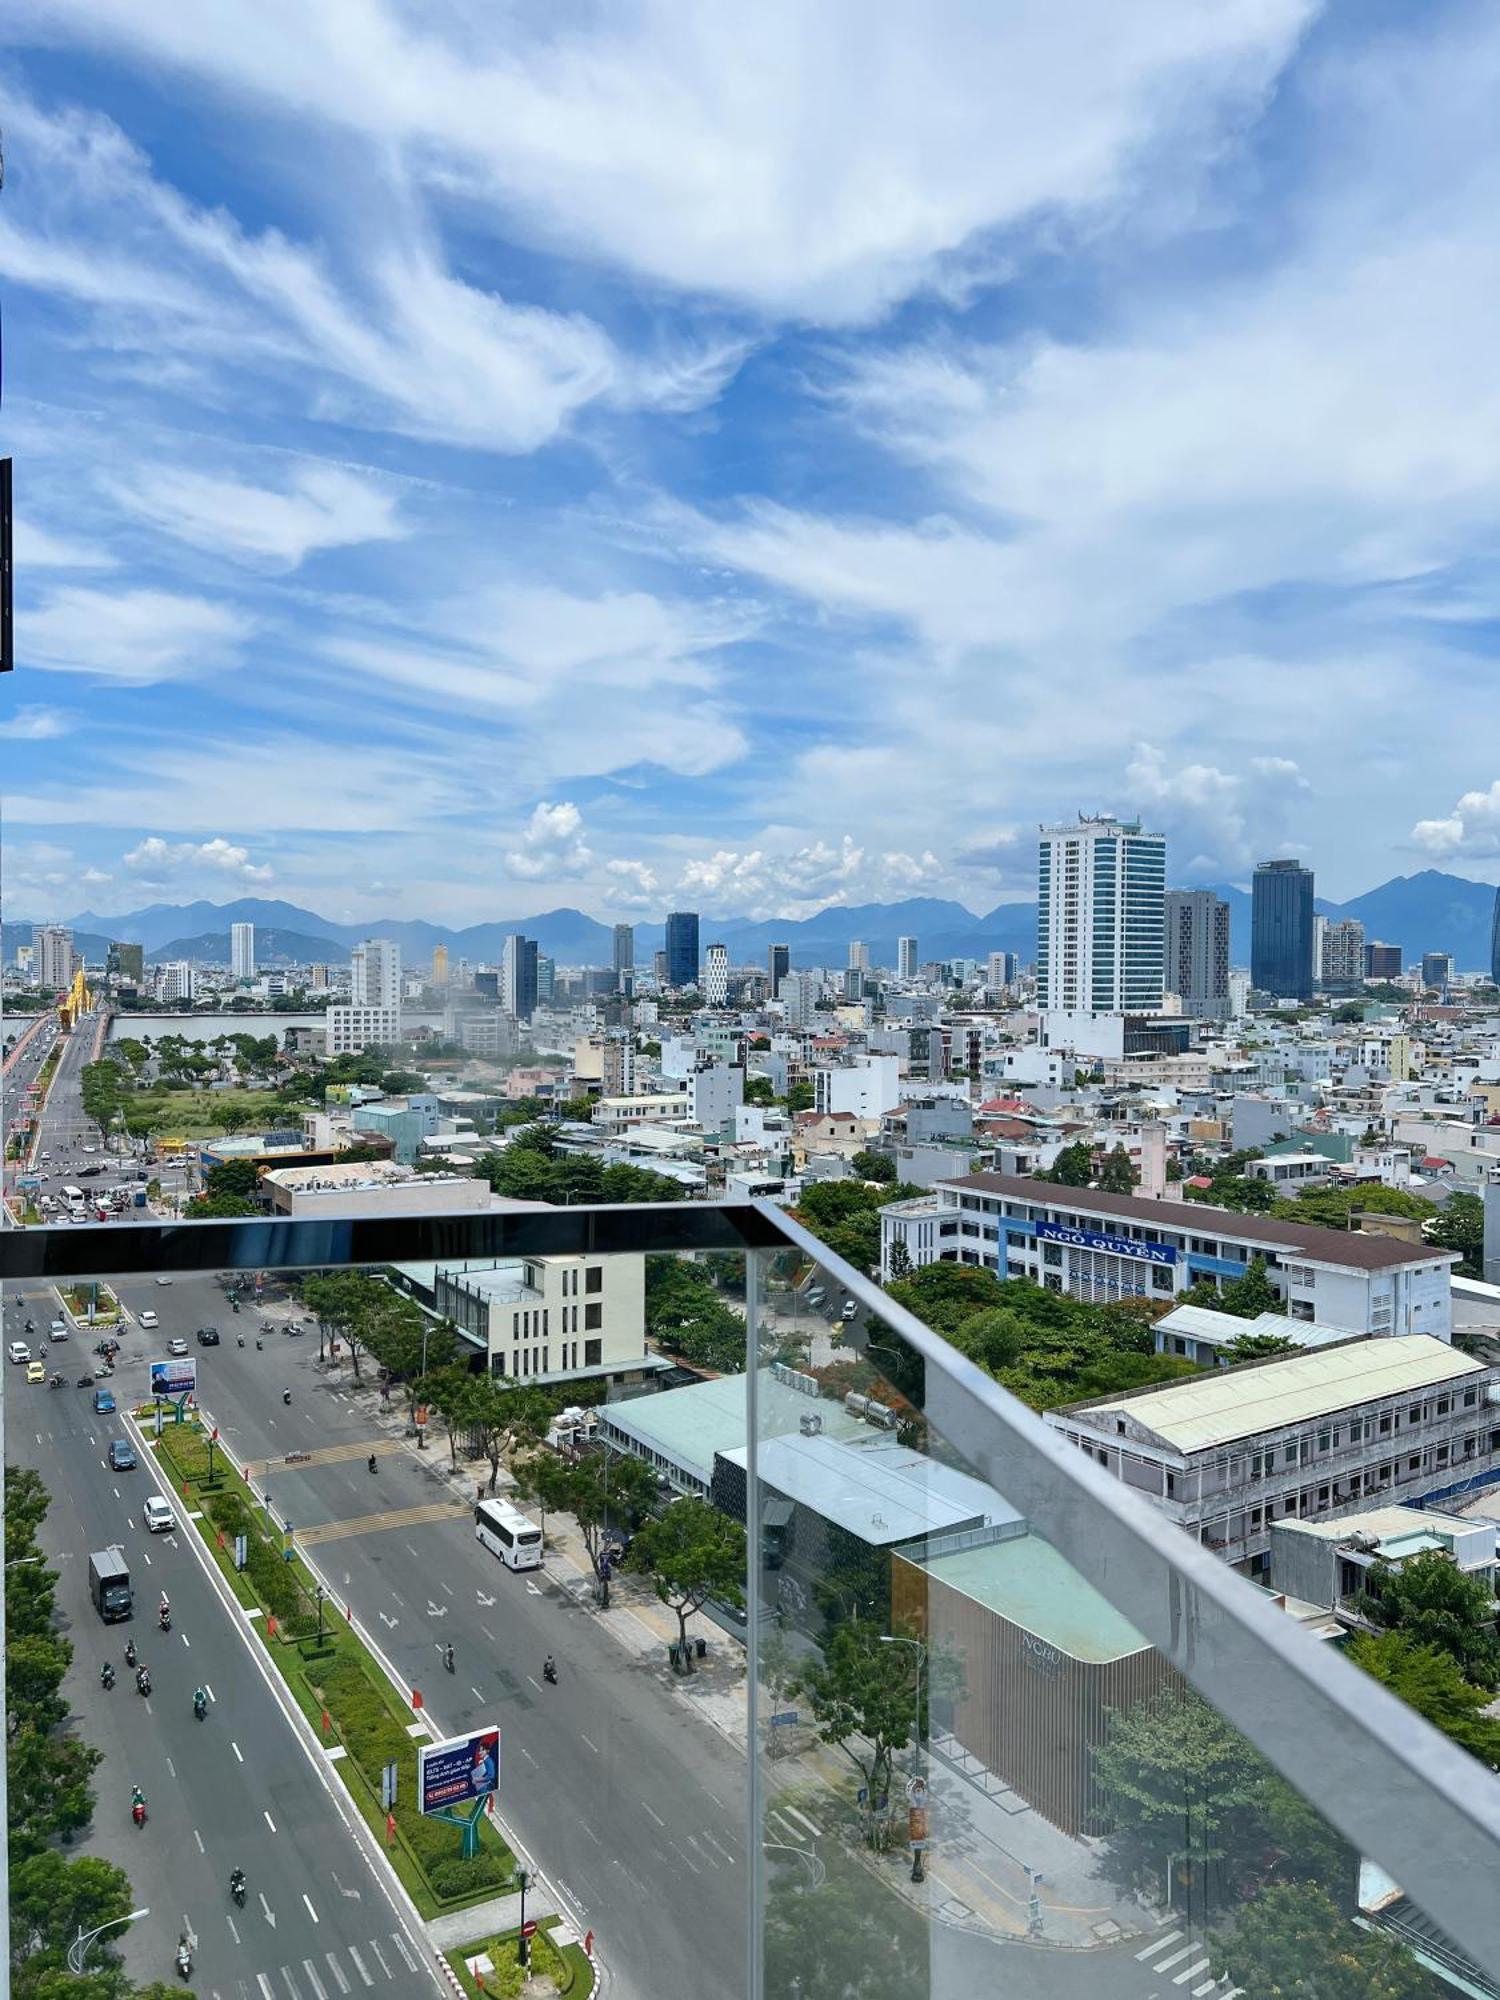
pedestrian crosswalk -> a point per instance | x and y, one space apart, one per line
1184 1962
352 1968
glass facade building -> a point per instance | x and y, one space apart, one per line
1101 926
682 948
1281 930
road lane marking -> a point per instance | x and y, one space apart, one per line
445 1586
233 1932
208 1690
1191 1972
374 1946
730 1858
475 1692
1165 1964
269 1821
396 1940
310 1910
171 1767
655 1815
320 1991
535 1683
593 1746
359 1966
294 1991
591 1834
268 1991
237 1750
527 1754
1158 1944
199 1838
802 1819
683 1857
337 1970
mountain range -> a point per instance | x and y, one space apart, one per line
1429 911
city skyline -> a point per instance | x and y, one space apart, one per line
769 475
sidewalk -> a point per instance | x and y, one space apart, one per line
482 1920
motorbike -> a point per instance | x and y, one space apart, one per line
239 1340
373 1462
237 1886
130 1653
84 1382
138 1809
54 1382
286 1396
184 1960
259 1346
142 1682
448 1658
164 1619
200 1703
549 1672
107 1676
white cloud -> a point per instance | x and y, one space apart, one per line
39 548
129 635
322 507
1218 824
552 845
156 857
792 882
1471 831
813 161
36 724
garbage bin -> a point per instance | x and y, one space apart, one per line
672 1656
702 1649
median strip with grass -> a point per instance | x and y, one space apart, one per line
333 1677
568 1966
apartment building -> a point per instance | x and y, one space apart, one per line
1094 1245
552 1319
1227 1455
352 1028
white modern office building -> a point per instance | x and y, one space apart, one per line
242 951
906 958
375 975
353 1028
1101 924
716 976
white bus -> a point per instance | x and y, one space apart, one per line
506 1532
73 1200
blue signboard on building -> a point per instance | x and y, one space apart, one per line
1117 1246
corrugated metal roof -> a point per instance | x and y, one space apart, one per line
1026 1581
1265 1395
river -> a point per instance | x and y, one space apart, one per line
208 1027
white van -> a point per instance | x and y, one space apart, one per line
147 1319
18 1351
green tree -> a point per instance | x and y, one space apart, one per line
51 1900
1073 1167
1432 1601
760 1090
604 1491
402 1082
1251 1295
1116 1174
1459 1225
222 1207
399 1335
899 1261
843 1942
1429 1680
800 1097
873 1166
863 1696
241 1177
691 1553
1256 1347
1293 1942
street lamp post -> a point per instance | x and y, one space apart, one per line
78 1950
918 1871
523 1883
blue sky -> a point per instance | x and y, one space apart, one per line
471 459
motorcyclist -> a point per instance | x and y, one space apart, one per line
286 1395
184 1956
448 1656
200 1703
237 1884
143 1680
164 1604
164 1618
107 1675
549 1669
130 1653
371 1463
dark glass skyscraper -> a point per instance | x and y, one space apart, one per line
1281 930
682 948
1495 941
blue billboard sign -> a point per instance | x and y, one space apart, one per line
458 1771
1117 1246
174 1378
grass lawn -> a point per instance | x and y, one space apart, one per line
200 1114
106 1305
568 1965
370 1715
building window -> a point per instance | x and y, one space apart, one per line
593 1315
1414 1463
1471 1397
593 1353
593 1278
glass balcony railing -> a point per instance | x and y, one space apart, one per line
867 1683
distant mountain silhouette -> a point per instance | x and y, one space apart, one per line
1429 911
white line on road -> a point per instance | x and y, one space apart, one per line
337 1971
208 1690
1190 1972
592 1745
268 1992
236 1749
683 1857
359 1966
590 1832
445 1586
310 1910
269 1912
655 1815
232 1930
527 1754
378 1953
732 1859
475 1692
199 1838
535 1683
396 1940
320 1991
1158 1944
269 1821
801 1819
172 1767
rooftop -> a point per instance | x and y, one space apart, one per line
874 1488
1206 1323
1029 1584
688 1426
1200 1218
1261 1396
1387 1525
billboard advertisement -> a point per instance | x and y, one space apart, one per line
174 1378
1117 1246
458 1770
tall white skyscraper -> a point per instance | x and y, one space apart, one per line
1101 924
375 974
716 976
242 951
52 955
859 956
906 958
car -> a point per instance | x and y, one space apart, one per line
208 1336
18 1351
104 1403
35 1372
849 1309
158 1516
58 1330
177 1345
147 1319
121 1455
164 1281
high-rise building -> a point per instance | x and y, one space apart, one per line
440 965
1437 970
1281 930
1382 961
906 958
518 976
375 974
659 967
1100 917
1342 962
319 979
242 951
1495 942
779 963
546 980
176 980
54 960
126 962
716 976
682 948
859 956
617 1066
800 992
1196 967
624 948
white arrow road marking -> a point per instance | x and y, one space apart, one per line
487 1602
389 1622
436 1610
270 1913
355 1895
